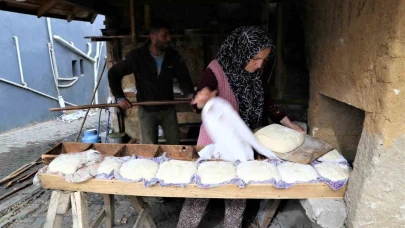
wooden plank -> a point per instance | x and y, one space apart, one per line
141 221
311 149
72 14
109 207
46 7
58 206
79 210
266 212
100 217
139 205
258 191
147 16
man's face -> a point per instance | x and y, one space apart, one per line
161 38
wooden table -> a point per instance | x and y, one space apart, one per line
111 187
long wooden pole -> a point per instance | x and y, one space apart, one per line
143 103
91 101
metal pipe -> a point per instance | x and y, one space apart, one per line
53 66
33 90
19 61
95 71
78 51
89 48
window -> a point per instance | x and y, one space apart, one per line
81 67
75 71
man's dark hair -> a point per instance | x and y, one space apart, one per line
158 24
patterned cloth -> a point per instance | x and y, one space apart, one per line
234 54
193 211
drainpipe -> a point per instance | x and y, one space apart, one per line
19 61
33 90
70 46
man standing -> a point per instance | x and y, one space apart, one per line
154 65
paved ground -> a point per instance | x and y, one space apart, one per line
28 207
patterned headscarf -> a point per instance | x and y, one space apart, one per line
234 54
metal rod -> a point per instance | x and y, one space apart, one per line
91 101
144 103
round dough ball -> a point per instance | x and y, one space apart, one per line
109 165
66 164
279 139
256 171
333 171
176 171
216 172
137 169
293 172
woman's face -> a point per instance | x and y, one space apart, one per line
257 61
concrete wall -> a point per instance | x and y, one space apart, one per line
20 107
355 52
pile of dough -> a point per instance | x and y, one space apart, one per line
216 172
293 172
279 139
333 171
332 156
257 171
137 169
66 163
109 165
176 172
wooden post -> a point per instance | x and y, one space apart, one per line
147 16
266 212
109 207
280 76
58 206
132 8
144 219
79 210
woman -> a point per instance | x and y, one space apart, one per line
233 76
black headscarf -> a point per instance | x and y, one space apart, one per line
234 54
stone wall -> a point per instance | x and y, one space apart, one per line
356 56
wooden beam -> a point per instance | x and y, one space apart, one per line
79 210
72 14
266 212
230 191
93 17
147 16
46 7
109 208
58 206
96 223
132 10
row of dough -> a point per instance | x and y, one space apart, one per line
217 172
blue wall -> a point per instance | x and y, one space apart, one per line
19 107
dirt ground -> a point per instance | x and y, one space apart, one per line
28 208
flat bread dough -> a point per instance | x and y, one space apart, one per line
279 139
216 172
333 171
257 171
332 156
176 171
108 165
294 172
137 169
66 164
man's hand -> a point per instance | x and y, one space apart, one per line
202 97
124 104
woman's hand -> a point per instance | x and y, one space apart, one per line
203 96
288 123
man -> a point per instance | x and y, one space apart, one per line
154 66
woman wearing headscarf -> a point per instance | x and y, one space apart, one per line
234 76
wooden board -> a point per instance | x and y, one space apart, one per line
259 191
310 150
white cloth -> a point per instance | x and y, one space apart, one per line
232 137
